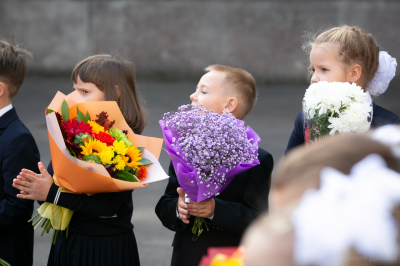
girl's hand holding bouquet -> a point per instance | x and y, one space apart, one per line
86 141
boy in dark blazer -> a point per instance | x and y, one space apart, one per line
227 216
17 150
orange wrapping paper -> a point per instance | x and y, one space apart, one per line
84 177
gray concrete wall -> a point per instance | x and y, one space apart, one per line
177 39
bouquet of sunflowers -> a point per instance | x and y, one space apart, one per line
85 140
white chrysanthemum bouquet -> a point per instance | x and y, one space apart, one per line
331 107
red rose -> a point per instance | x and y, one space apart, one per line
105 138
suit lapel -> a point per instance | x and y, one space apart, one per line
6 119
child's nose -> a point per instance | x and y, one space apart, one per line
314 78
193 97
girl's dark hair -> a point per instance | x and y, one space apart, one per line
115 76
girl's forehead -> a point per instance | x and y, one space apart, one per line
322 52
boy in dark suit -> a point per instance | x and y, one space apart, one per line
17 150
232 90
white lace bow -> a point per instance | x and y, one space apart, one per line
386 72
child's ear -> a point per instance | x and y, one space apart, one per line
2 89
231 105
354 73
118 92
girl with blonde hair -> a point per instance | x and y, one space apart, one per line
349 54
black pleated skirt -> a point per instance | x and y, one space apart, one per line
83 250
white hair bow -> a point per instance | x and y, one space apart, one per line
386 72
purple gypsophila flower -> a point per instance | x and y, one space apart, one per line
211 143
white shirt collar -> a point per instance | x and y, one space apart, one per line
5 109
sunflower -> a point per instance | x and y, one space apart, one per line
96 128
94 147
134 156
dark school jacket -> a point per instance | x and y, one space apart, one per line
17 150
235 208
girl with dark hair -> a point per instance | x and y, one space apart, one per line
100 231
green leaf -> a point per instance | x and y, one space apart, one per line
71 153
145 161
92 158
49 111
128 169
65 111
125 176
81 116
140 149
87 116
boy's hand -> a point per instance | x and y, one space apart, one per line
182 206
204 209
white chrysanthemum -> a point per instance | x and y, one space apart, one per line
347 105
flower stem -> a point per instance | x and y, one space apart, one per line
37 223
45 226
4 263
54 237
197 226
37 214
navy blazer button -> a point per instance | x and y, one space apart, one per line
194 238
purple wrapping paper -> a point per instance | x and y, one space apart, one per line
186 173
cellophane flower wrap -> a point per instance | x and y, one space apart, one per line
207 150
335 107
92 140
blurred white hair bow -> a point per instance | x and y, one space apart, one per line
385 73
349 211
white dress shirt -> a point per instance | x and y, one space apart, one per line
5 109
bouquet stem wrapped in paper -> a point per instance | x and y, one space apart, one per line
93 140
207 151
331 107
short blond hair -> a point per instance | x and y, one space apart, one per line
243 84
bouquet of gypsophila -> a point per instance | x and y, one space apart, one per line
331 107
207 150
